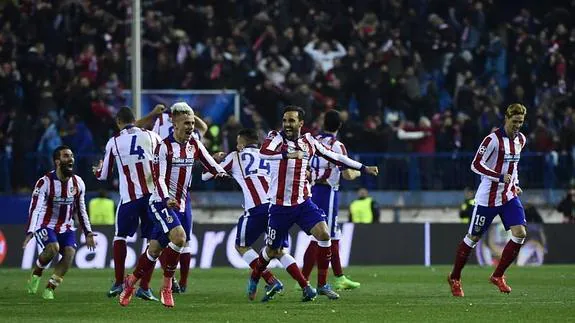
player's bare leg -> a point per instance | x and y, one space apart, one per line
49 252
59 272
510 252
461 256
320 232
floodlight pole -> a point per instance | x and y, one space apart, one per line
136 63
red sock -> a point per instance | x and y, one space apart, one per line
461 256
162 260
335 261
309 259
145 281
185 259
143 266
172 257
259 267
268 277
323 259
507 257
119 260
296 274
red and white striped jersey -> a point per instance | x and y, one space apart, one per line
251 172
54 204
173 163
497 155
133 151
288 183
164 127
321 168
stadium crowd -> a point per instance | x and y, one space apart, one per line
409 75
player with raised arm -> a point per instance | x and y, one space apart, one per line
163 126
290 152
57 197
496 161
325 178
132 151
252 174
172 173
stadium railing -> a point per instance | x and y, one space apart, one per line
437 172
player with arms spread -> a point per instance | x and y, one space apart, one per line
290 154
57 197
172 173
132 150
496 161
325 178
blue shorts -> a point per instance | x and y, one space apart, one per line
45 236
328 200
511 213
252 224
306 215
131 214
165 220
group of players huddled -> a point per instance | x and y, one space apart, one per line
290 178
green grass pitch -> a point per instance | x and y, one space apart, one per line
389 293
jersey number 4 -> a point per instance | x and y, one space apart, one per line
136 150
264 165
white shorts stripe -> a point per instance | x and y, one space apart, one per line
243 229
116 222
330 211
159 218
470 230
39 240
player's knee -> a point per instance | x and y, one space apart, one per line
69 254
242 250
323 236
178 237
520 234
274 253
52 249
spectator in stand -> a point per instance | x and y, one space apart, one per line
567 206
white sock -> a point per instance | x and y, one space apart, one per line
469 242
250 256
324 244
287 260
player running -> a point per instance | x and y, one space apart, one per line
164 127
56 198
132 150
172 173
496 161
252 174
290 154
325 178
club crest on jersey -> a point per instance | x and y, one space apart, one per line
169 219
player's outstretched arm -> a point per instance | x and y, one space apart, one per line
478 165
83 216
208 161
341 160
226 164
272 147
201 126
350 174
147 122
106 166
